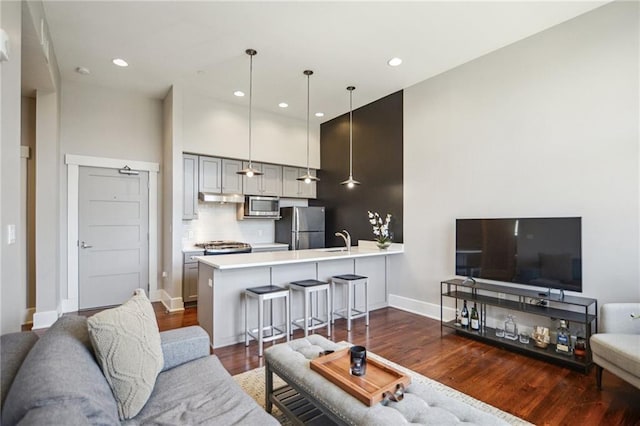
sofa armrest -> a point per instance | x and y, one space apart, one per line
182 345
616 318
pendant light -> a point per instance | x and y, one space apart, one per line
307 177
249 171
351 182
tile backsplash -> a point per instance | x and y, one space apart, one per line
219 222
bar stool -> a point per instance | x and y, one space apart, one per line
350 281
311 322
270 332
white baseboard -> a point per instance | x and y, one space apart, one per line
426 309
44 319
172 304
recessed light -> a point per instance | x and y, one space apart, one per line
394 62
120 62
319 114
283 104
83 70
239 93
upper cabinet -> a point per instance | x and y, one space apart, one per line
292 187
210 175
269 183
190 187
231 180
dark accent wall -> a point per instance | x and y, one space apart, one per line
377 164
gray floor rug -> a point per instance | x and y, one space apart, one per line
252 382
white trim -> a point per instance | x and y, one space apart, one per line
70 304
430 310
44 319
110 163
171 304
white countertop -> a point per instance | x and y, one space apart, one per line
268 245
250 260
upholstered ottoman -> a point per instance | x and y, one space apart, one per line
307 389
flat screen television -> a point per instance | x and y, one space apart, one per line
541 252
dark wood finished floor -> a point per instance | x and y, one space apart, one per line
542 393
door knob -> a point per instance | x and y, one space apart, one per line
84 246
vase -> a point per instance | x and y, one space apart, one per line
383 245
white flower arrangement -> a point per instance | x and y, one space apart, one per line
380 227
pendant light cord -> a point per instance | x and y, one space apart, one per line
350 133
250 102
308 77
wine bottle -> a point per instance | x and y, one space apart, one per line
464 316
475 318
563 340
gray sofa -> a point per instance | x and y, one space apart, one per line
616 348
55 380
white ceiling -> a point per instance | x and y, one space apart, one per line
201 45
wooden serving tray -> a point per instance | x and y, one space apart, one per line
368 389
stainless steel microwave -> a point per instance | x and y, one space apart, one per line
261 207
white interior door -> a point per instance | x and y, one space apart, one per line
113 236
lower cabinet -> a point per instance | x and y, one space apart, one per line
190 277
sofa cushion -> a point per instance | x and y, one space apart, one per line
14 347
126 341
60 368
200 392
622 350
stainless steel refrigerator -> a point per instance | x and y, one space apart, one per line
301 227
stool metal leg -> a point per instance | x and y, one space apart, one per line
260 324
350 301
328 315
333 301
366 301
246 319
287 306
307 296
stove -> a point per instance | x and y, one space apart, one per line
212 248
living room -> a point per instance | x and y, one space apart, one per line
544 126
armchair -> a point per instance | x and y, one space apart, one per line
616 347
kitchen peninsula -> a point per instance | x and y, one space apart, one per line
222 280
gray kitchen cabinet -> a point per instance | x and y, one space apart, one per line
190 277
269 183
231 180
292 187
190 187
210 174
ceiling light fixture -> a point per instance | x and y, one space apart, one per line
394 62
238 93
249 171
319 114
308 177
283 104
351 182
120 62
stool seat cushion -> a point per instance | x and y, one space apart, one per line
350 277
266 289
309 283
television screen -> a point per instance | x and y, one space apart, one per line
542 252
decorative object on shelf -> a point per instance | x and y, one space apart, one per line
541 336
351 182
380 229
524 337
499 331
580 348
308 177
249 171
510 328
475 318
563 341
464 321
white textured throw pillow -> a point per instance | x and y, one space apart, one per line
126 341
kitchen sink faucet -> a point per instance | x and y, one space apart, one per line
346 237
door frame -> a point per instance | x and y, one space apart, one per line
74 162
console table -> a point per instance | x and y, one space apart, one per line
577 310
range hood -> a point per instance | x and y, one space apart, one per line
211 197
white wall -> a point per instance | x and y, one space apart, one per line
222 129
108 123
545 127
12 294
